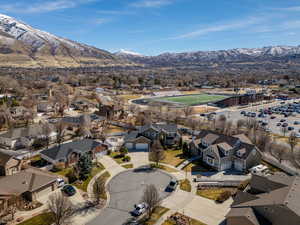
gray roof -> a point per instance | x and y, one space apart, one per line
62 151
26 180
278 190
78 119
30 131
160 127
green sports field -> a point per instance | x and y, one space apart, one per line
194 99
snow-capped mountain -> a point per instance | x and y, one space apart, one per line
34 47
222 56
125 53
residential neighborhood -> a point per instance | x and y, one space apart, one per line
149 112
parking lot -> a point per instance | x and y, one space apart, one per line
126 189
271 117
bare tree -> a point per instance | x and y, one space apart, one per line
157 153
47 131
188 111
60 129
240 124
151 198
61 208
99 189
293 140
280 152
284 130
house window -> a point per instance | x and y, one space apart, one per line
210 161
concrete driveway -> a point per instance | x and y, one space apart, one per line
196 207
139 158
126 189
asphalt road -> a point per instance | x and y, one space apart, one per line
126 189
272 123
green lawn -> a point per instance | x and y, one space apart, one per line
194 99
42 219
95 170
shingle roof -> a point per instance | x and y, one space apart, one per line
159 127
6 155
278 189
30 131
247 213
26 180
61 152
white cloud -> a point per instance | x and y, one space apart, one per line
218 28
151 3
43 6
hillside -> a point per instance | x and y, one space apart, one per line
24 46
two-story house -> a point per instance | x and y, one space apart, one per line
9 163
223 152
142 138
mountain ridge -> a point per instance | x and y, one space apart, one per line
24 46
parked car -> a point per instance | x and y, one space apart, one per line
296 123
273 117
172 185
69 190
60 182
291 128
285 124
243 112
278 124
139 209
282 120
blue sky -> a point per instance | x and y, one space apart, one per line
152 27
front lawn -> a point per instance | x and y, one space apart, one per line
118 157
104 177
84 184
185 185
213 193
63 172
128 166
163 167
191 221
174 157
197 166
159 211
42 219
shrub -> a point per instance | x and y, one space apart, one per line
71 175
127 158
243 184
108 152
223 196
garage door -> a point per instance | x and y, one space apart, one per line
100 154
44 192
129 146
141 147
238 165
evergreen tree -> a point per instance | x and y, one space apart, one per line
84 166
